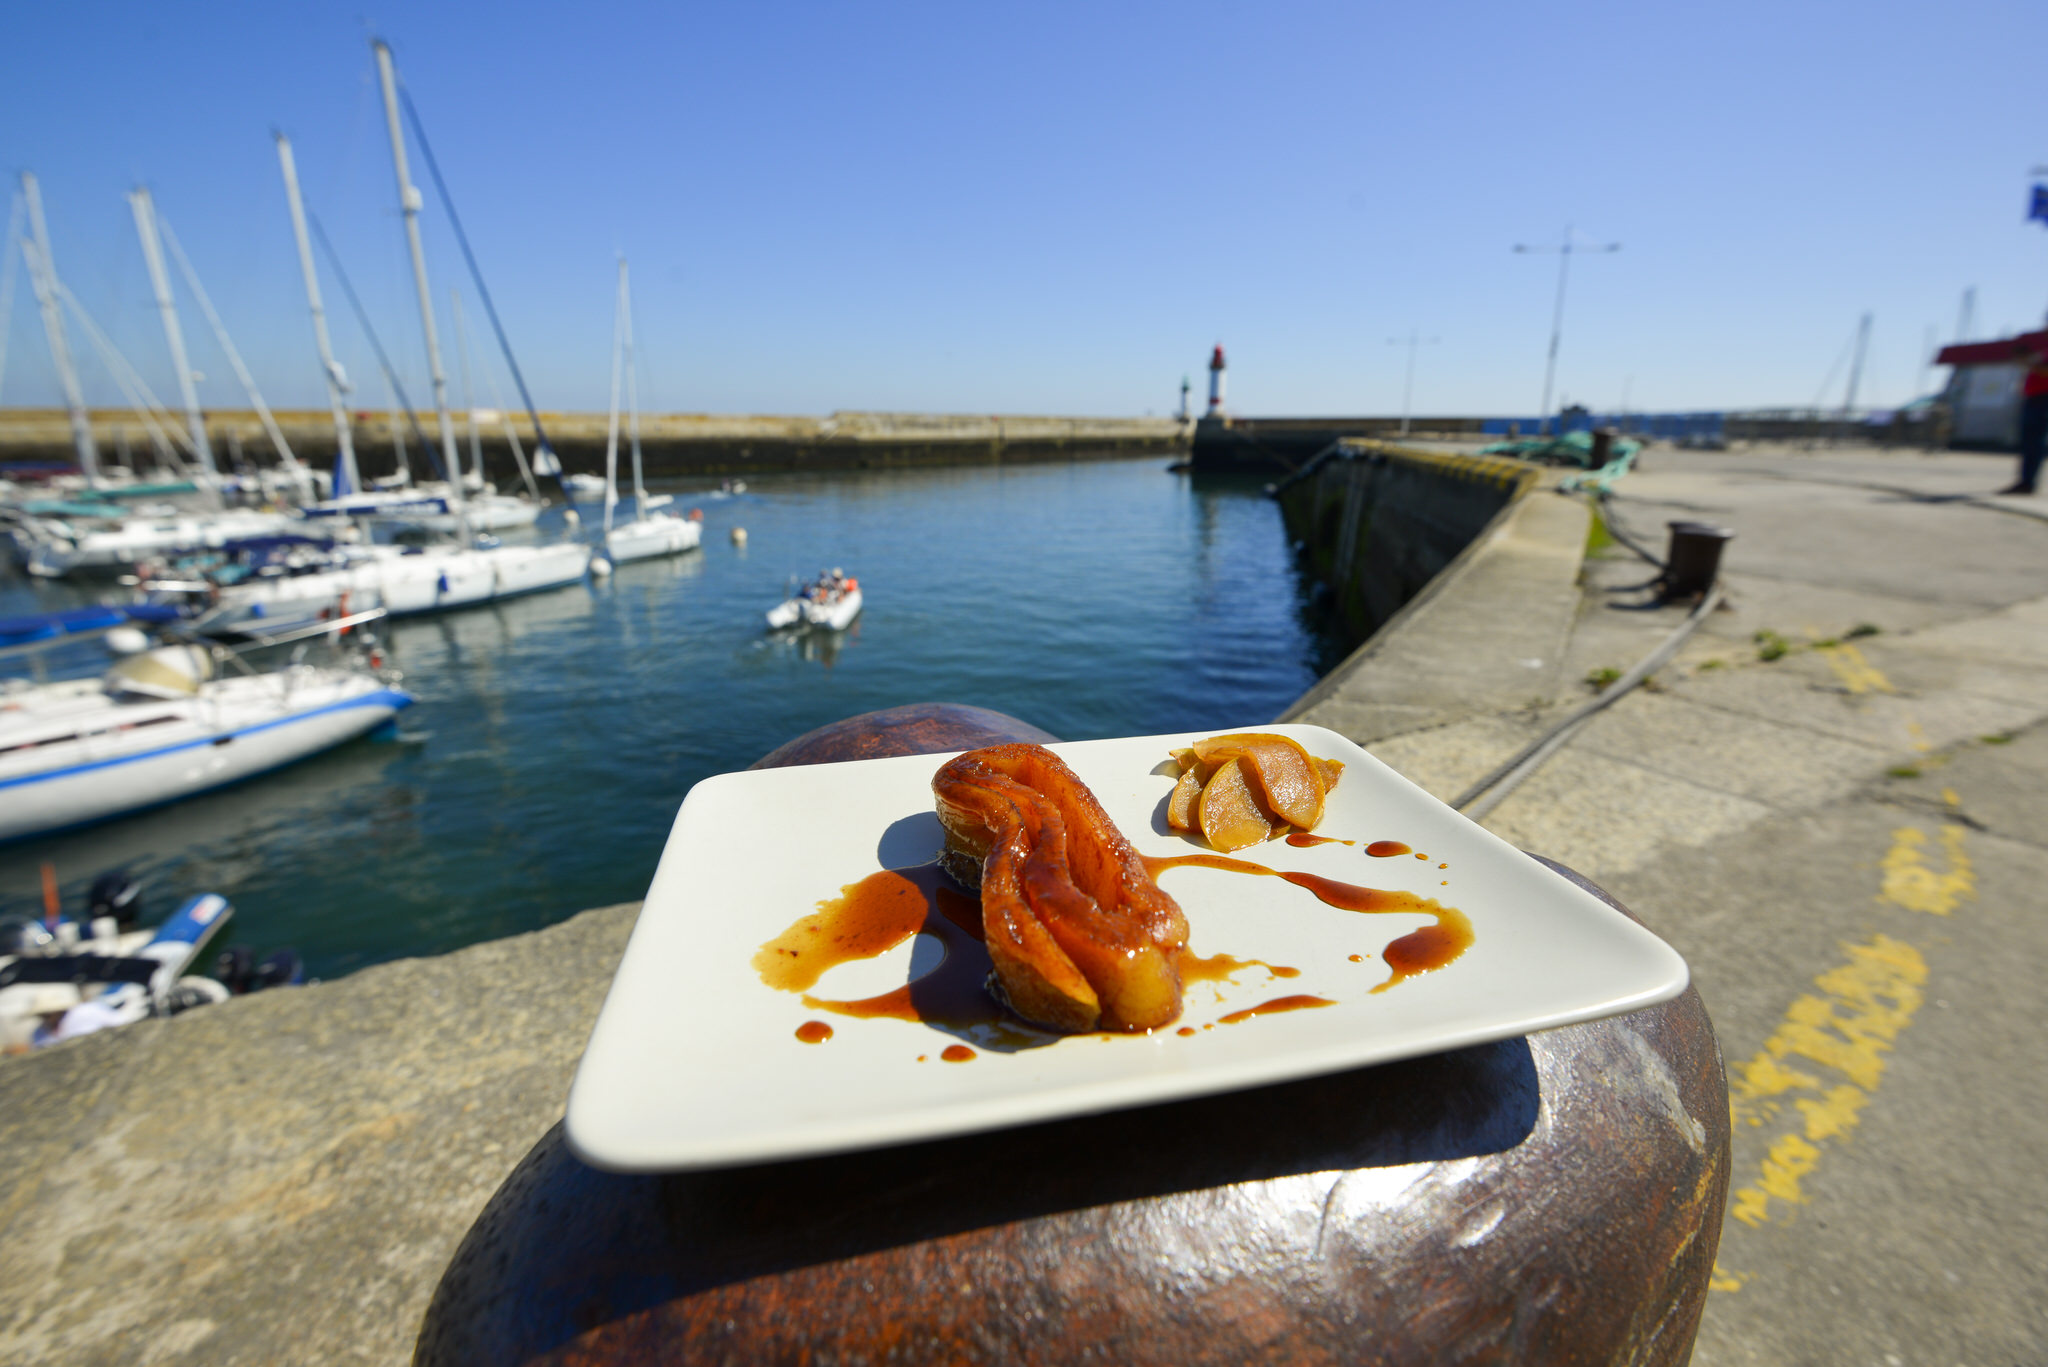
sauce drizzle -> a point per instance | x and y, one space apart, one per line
874 916
1278 1004
1419 951
1195 968
814 1032
1387 849
1302 840
957 1053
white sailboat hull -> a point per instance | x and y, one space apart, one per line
488 513
71 755
60 550
431 580
646 537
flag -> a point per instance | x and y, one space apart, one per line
2037 207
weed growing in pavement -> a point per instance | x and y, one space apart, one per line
1599 679
1770 645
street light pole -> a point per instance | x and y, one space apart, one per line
1412 341
1564 251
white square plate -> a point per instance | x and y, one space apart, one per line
695 1063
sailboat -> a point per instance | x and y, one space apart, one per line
81 537
167 723
400 580
650 532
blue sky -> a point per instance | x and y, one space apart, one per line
1060 207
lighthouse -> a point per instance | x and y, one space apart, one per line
1216 382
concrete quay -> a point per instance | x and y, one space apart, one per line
1840 829
1837 837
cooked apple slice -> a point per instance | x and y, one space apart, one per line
1180 808
1230 816
1285 776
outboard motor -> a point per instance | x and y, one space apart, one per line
283 968
233 967
115 894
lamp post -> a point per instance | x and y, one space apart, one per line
1564 251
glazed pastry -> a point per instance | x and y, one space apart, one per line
1080 936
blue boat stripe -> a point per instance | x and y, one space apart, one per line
392 697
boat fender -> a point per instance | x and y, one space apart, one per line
441 584
696 514
187 993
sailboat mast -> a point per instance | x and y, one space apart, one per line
476 442
611 433
143 205
632 393
409 201
337 391
283 448
42 272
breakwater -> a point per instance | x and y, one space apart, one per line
1378 522
675 445
1285 445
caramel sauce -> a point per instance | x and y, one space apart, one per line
874 916
1185 1030
1358 958
1302 840
1420 951
1214 968
881 911
1277 1005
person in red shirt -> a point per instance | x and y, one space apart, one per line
2033 415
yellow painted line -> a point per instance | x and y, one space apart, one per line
1821 1066
1909 880
1857 674
1846 1029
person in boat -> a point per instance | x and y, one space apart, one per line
62 1019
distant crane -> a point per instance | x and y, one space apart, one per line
1413 341
1856 369
1564 251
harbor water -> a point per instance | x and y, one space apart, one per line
555 735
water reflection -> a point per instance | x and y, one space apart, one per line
556 734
